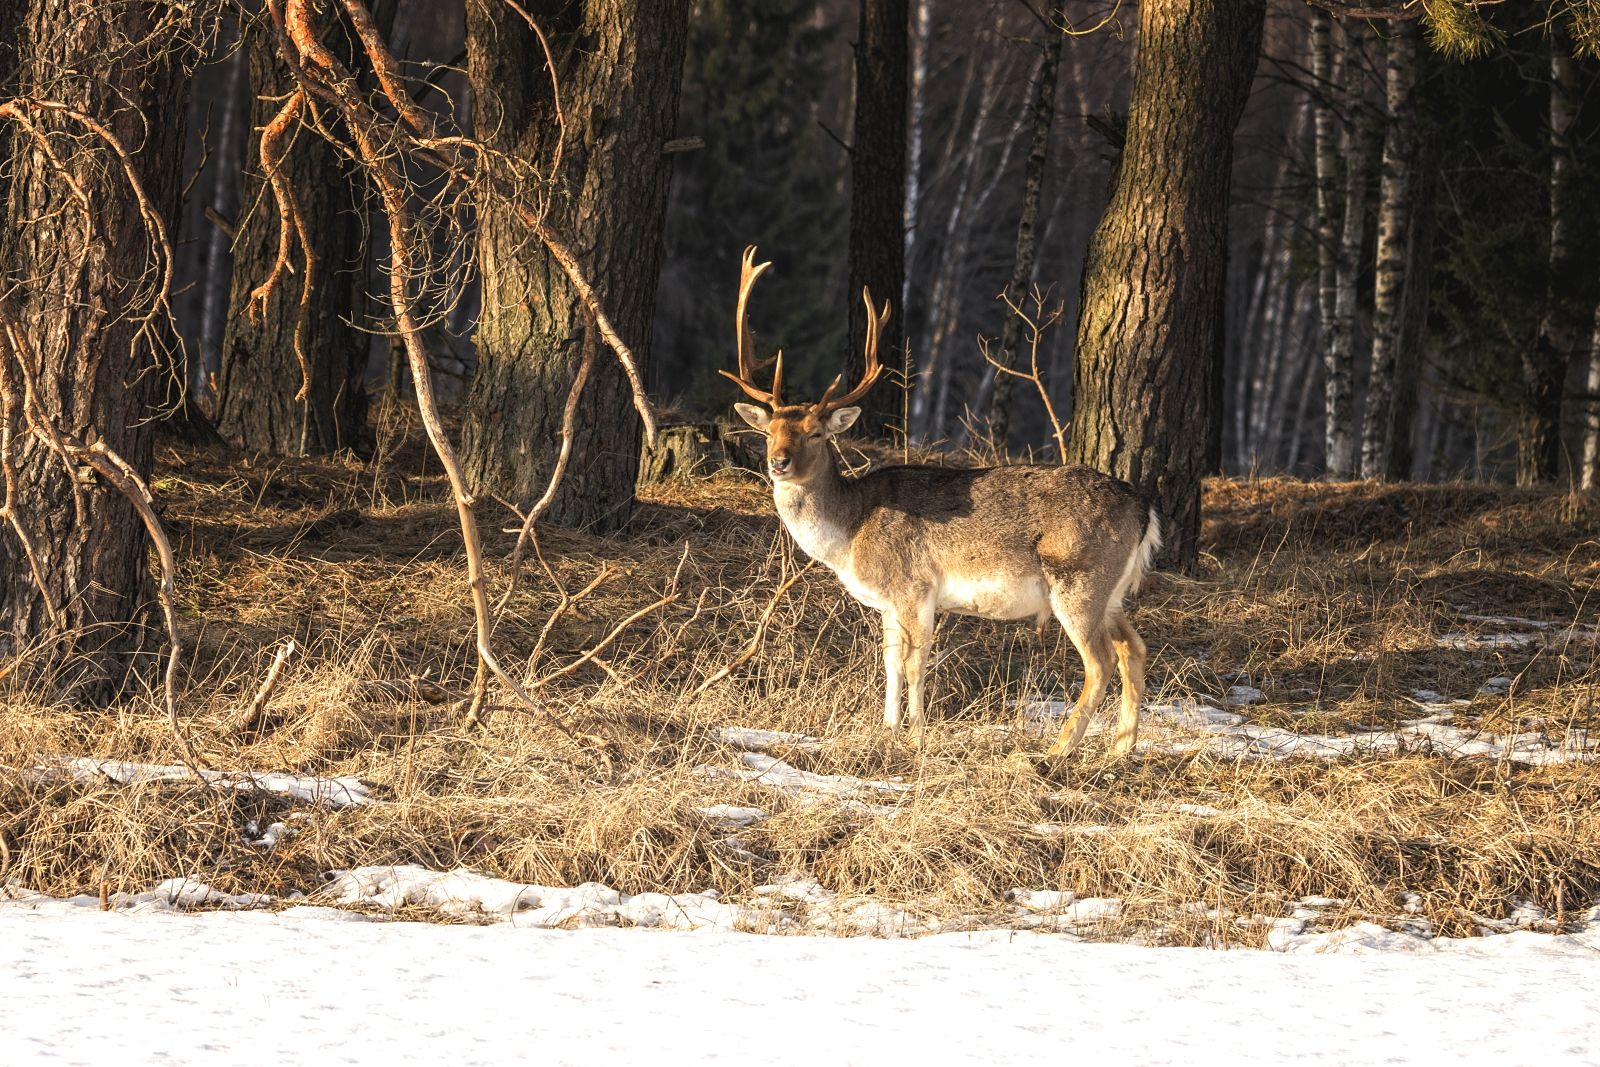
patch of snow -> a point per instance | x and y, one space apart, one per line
1570 631
1195 714
173 894
1361 939
809 788
334 792
1056 829
1243 740
1464 642
467 894
734 848
1204 811
1066 908
1429 696
1042 712
750 740
731 816
1244 695
1496 687
267 838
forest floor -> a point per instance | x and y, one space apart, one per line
1376 709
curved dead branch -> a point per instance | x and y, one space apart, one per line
380 144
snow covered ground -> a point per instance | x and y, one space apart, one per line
314 985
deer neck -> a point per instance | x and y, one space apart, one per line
820 513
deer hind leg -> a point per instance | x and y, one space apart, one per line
1131 656
1083 617
894 667
916 627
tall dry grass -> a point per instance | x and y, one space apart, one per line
1327 597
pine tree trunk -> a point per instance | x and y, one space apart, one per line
1340 382
1396 461
1043 114
225 201
1395 208
10 24
1147 334
877 201
619 65
259 374
1544 365
76 290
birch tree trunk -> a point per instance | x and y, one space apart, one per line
620 63
921 32
1394 247
1338 384
1147 335
877 200
78 289
1341 338
1043 114
1590 474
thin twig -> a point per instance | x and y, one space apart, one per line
258 706
756 638
1037 325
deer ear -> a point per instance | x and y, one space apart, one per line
758 417
841 420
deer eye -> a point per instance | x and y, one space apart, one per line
815 437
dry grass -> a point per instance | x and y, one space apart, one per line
1327 597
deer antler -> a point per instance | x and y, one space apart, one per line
874 369
749 271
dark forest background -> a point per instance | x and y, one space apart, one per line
767 87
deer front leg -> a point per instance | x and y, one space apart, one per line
894 668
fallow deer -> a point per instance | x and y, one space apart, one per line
1010 542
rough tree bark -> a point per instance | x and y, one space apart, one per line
1544 364
1152 284
877 200
619 65
259 374
1394 266
76 293
1043 113
10 21
1395 463
223 199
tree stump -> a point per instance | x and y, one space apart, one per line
698 450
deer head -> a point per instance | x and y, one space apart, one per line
797 434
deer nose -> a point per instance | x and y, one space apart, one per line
779 462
